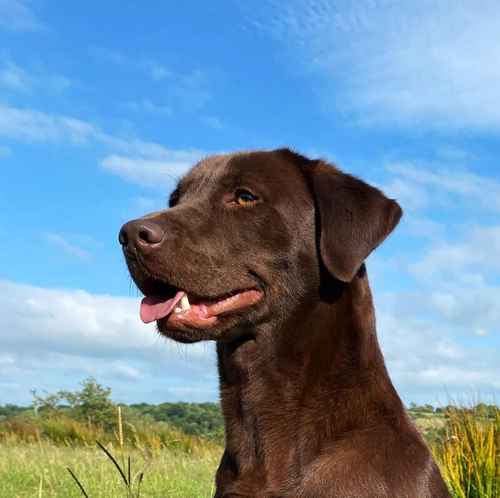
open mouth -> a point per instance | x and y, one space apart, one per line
176 307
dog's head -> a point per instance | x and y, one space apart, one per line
245 239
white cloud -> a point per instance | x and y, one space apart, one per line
212 122
35 126
125 371
15 78
418 181
15 15
441 329
476 253
423 227
149 172
425 63
425 357
158 71
410 194
70 248
481 332
146 163
81 334
110 56
149 107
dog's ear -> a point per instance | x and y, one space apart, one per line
353 218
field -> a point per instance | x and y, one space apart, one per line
172 450
39 470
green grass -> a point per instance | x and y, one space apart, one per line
469 453
51 456
35 454
40 471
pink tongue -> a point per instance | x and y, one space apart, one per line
156 307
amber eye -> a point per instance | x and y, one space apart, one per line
244 197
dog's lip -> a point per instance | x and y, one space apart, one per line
166 304
204 314
204 310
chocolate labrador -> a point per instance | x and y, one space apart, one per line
263 252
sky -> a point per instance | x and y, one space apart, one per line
104 105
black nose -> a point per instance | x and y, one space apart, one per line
140 233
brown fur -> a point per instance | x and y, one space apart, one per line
309 409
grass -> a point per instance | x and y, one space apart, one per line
35 457
469 453
40 471
58 457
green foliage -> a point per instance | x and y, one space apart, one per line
465 441
60 429
91 404
46 403
469 452
7 411
199 419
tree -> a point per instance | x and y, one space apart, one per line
92 403
48 402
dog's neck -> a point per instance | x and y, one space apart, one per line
326 359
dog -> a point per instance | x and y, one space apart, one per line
264 252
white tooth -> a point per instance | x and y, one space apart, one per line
185 303
177 310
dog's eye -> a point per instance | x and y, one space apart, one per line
244 197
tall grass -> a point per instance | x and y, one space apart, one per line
469 453
137 460
40 471
35 453
61 430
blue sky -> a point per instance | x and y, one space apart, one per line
104 104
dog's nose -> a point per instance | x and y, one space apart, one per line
140 233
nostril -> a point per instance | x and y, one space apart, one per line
150 234
123 237
140 233
145 235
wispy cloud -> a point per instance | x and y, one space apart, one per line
149 107
156 70
14 78
110 56
418 182
68 247
35 126
212 122
188 90
16 15
425 63
476 253
149 172
145 163
434 347
17 79
446 309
